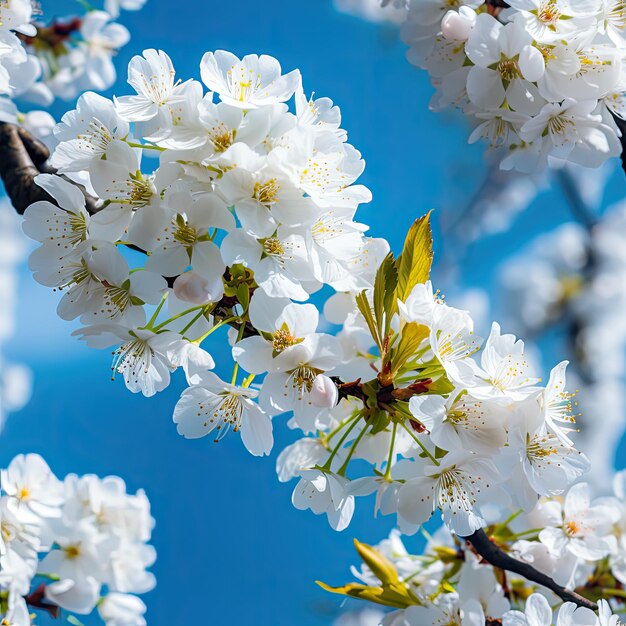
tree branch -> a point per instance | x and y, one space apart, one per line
22 158
621 124
37 600
489 551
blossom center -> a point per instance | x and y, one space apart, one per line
96 136
458 417
117 299
132 358
283 339
159 86
222 138
72 552
326 228
231 410
456 490
559 124
549 13
302 379
453 346
508 69
5 532
140 192
78 225
541 450
267 192
273 247
185 233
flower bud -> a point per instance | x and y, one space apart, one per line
193 288
456 26
324 392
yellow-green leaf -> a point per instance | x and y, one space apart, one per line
396 596
411 337
366 311
380 565
417 257
385 303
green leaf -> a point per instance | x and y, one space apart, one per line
392 592
243 295
411 338
74 621
417 257
379 422
385 304
441 386
380 565
395 596
364 307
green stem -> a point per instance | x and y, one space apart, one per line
420 444
158 310
391 448
233 379
178 316
236 368
426 563
199 340
248 381
343 438
337 428
342 470
196 317
532 531
145 146
511 517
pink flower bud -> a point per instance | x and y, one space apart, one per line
193 288
456 26
324 392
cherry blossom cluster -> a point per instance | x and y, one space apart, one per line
42 61
540 79
576 540
251 206
574 278
454 430
249 211
79 544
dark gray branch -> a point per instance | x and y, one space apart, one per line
621 124
489 551
22 158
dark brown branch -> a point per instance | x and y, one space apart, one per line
621 124
22 158
36 600
489 551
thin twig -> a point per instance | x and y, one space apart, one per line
489 551
621 124
37 600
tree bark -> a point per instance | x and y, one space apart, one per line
22 158
489 551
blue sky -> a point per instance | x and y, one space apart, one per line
231 548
